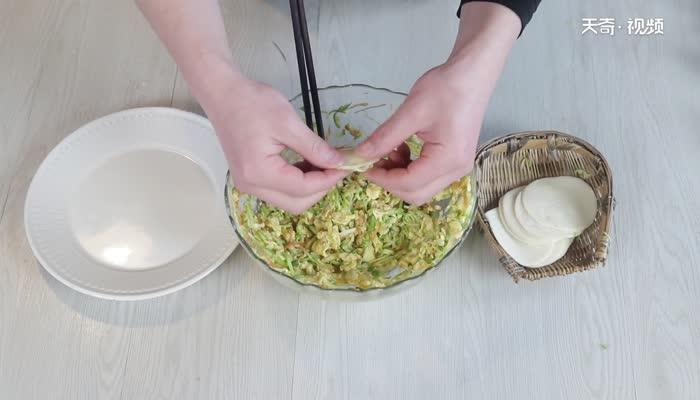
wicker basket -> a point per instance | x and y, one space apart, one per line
517 159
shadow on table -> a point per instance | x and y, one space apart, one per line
192 300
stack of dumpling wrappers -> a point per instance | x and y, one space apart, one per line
536 224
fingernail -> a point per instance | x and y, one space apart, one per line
333 157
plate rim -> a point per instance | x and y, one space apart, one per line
113 296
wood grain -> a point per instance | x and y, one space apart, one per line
627 331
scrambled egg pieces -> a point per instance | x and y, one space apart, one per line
358 236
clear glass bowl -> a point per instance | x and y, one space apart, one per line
364 108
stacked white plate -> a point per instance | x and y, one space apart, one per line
130 206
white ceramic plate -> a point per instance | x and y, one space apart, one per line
130 206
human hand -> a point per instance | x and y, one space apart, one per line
445 109
255 124
446 115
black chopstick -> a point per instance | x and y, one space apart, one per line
294 9
305 63
310 68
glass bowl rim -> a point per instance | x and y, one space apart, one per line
393 287
352 85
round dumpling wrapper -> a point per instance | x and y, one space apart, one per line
528 255
563 203
534 228
506 210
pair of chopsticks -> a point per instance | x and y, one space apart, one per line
307 75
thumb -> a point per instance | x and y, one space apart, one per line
310 146
392 133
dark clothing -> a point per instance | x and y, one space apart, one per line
523 8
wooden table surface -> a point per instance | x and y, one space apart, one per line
630 330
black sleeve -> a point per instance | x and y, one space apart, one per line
523 8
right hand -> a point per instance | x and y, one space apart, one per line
255 124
